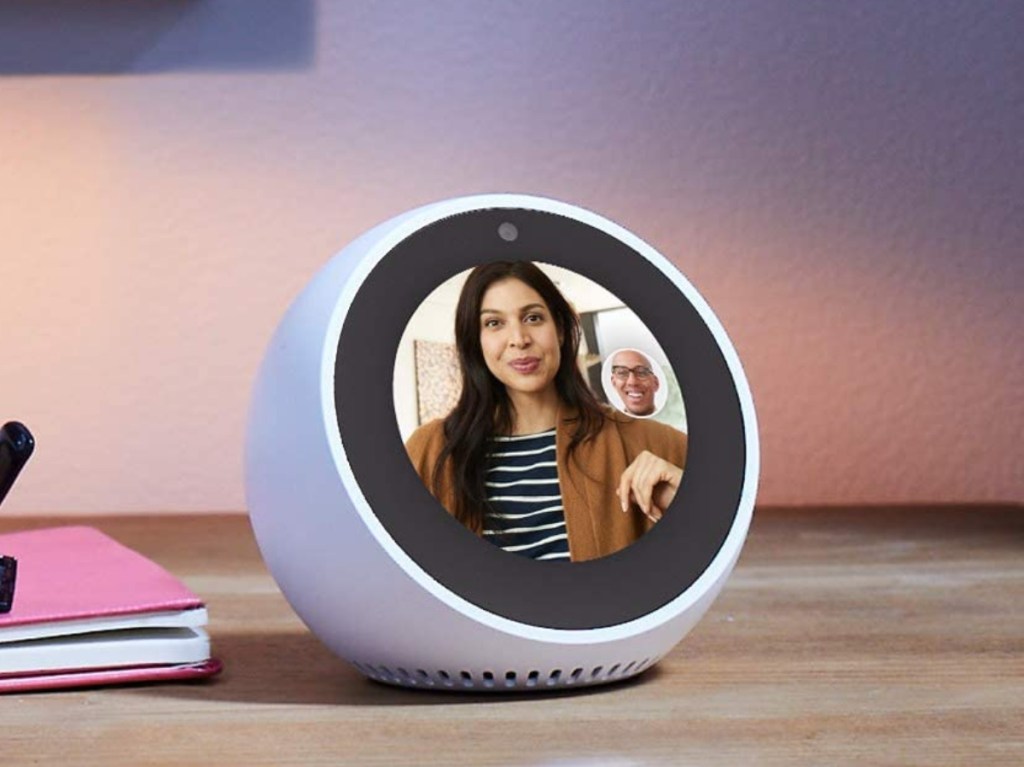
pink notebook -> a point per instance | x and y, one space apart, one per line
90 611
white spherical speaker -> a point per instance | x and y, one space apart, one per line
500 443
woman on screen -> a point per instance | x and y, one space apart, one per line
528 458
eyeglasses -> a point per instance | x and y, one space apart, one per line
640 372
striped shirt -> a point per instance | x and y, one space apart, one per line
526 514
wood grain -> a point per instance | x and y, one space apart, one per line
845 636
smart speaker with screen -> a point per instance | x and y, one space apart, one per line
499 443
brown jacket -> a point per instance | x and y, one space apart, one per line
594 519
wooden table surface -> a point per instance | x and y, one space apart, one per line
845 636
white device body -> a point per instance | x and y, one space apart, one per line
348 579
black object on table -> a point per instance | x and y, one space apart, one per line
16 446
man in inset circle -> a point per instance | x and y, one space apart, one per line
635 381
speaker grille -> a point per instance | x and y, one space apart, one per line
501 681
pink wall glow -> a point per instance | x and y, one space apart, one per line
843 184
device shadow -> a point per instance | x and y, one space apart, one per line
295 668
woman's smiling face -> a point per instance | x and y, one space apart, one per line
518 337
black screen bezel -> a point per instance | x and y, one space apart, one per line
615 589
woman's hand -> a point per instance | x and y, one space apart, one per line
649 482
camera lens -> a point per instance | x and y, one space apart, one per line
508 232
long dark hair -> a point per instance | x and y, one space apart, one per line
484 408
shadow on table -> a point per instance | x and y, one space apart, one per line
296 668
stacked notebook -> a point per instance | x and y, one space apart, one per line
89 611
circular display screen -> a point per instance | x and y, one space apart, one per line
540 418
566 469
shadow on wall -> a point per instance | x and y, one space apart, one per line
68 37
